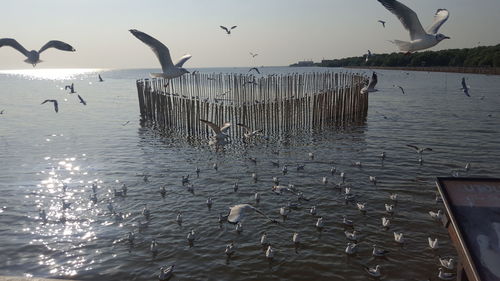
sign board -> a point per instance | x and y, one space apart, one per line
473 208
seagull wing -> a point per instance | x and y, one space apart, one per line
225 28
373 81
225 127
402 90
14 44
412 146
161 51
182 60
440 18
58 45
407 16
56 106
234 26
247 129
212 126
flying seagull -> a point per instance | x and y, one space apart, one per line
71 88
220 135
33 57
228 30
418 149
56 107
254 68
169 70
401 88
420 39
368 55
253 55
81 100
249 132
382 22
100 78
465 88
371 85
237 213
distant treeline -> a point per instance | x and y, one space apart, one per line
488 56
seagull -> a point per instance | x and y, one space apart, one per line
254 177
378 252
191 236
263 239
373 180
398 237
215 166
130 238
361 207
230 249
368 55
33 57
220 135
313 211
146 212
325 180
418 149
436 215
81 100
100 78
178 219
253 55
169 70
465 88
370 87
209 202
237 213
71 88
154 247
56 107
386 222
228 30
374 271
389 208
420 39
166 272
239 227
285 169
382 22
296 238
433 243
254 68
447 263
342 176
319 223
249 133
353 236
351 248
269 253
445 275
347 222
401 88
333 170
284 211
42 215
235 187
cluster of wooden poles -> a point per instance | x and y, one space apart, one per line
284 103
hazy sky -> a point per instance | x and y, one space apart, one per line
281 31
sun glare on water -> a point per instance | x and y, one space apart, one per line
51 73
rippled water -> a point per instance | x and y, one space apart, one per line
103 143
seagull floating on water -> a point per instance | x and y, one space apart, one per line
398 237
269 253
373 271
263 239
33 57
420 39
166 273
169 70
230 249
351 248
386 222
353 236
445 275
56 106
436 215
433 243
447 263
378 252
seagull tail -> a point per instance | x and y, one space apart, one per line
403 46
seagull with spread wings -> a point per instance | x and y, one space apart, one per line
219 137
419 150
370 87
56 107
420 39
465 88
228 30
382 22
253 55
169 70
33 56
249 132
254 68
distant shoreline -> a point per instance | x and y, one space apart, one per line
470 70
